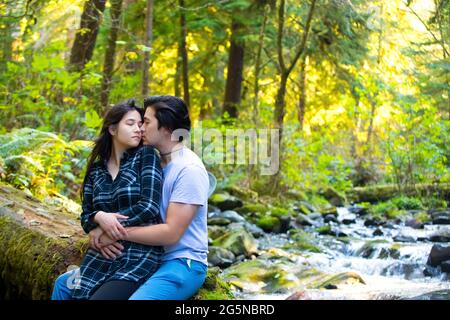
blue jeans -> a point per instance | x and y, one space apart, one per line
175 279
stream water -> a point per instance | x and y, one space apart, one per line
390 269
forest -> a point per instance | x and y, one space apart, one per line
325 122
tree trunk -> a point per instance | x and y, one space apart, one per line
83 46
184 53
110 54
148 39
258 68
284 75
302 97
235 68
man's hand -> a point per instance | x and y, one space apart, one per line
94 237
110 224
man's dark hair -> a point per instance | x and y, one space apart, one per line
171 112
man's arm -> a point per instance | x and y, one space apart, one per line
179 216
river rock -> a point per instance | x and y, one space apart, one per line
239 241
215 232
413 223
256 231
330 218
372 222
438 254
220 257
445 266
443 218
305 220
334 197
377 232
218 221
230 215
358 210
225 201
440 236
403 238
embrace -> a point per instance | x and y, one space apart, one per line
144 206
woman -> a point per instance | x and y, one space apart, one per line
122 188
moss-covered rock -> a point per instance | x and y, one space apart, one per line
239 241
225 201
261 275
252 208
242 193
301 241
340 278
268 223
333 196
214 287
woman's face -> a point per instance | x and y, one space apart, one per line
128 130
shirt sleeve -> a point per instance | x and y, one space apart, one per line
147 208
88 212
191 186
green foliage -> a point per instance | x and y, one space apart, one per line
407 203
43 163
383 209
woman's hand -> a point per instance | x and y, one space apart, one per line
111 251
109 248
110 224
94 237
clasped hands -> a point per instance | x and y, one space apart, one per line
105 238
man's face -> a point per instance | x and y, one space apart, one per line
150 133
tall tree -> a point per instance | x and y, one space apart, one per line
148 39
183 54
235 67
258 65
110 54
86 36
285 70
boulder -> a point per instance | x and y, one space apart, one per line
225 201
239 241
438 254
220 257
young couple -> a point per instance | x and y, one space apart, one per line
145 211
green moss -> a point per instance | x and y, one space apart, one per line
384 209
323 229
344 277
214 287
268 223
279 212
218 198
302 241
252 208
30 261
422 217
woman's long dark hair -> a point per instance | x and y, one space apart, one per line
103 144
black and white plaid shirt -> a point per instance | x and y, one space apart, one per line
136 193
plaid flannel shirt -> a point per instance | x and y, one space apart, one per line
136 193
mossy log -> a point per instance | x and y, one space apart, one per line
38 242
378 193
